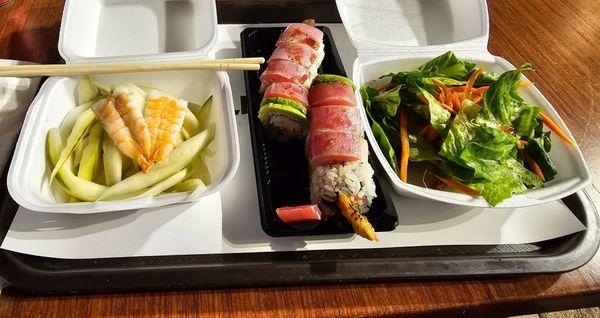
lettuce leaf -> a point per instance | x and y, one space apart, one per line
387 101
502 101
448 65
527 121
421 149
491 155
438 115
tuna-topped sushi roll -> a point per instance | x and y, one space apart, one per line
290 71
283 111
298 54
338 153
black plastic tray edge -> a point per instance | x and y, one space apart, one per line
259 185
278 270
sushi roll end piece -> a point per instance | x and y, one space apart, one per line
283 122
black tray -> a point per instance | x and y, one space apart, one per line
281 168
45 275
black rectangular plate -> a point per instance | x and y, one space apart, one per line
282 173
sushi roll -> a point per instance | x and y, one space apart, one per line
283 111
337 150
297 57
332 90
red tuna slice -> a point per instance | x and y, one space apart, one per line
289 90
295 52
327 147
304 213
284 71
331 93
301 33
344 118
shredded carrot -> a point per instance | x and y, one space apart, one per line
439 185
456 89
456 102
534 166
431 133
481 90
462 97
459 186
405 145
445 94
437 96
423 99
555 129
477 99
523 84
423 131
448 108
384 86
471 81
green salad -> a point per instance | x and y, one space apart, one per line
462 128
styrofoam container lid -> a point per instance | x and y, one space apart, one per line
388 26
394 35
28 174
129 30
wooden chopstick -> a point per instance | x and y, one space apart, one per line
250 64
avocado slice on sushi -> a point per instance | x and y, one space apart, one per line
329 78
286 102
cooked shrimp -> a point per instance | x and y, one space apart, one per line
164 115
115 127
130 102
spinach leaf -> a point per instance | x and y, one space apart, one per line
535 149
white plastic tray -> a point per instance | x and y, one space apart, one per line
392 36
127 30
28 173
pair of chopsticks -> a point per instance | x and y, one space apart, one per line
248 64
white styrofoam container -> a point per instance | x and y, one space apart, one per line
28 174
130 30
392 36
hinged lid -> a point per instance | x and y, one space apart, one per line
393 26
133 30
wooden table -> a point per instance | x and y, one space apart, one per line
559 37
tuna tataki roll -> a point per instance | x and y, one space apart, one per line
302 33
328 118
327 147
287 90
331 93
284 71
295 52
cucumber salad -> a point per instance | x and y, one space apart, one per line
452 125
128 141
